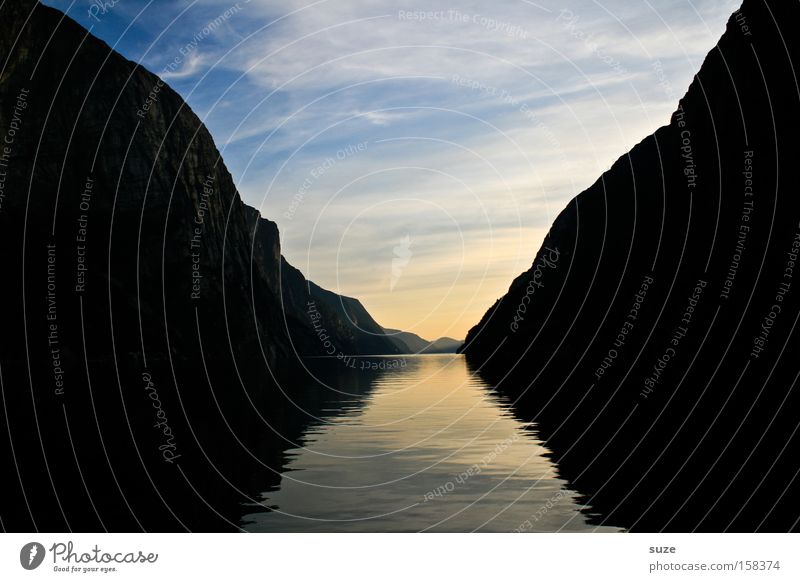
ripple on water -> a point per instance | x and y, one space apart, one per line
425 447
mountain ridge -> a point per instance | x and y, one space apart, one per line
640 320
160 348
414 344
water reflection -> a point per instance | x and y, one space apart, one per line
423 445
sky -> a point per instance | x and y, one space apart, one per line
414 155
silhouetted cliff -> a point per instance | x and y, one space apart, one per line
652 340
149 338
341 323
411 343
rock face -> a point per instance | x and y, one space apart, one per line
342 324
443 345
411 343
652 340
149 319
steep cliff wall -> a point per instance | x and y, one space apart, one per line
148 349
652 337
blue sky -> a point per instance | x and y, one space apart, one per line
414 155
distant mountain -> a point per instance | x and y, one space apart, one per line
407 342
443 345
652 340
411 343
345 318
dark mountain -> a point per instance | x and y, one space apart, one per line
411 343
407 342
653 338
443 345
152 332
351 327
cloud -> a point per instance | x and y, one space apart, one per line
188 67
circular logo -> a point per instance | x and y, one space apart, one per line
31 555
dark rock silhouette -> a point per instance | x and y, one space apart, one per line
411 343
345 319
653 340
406 342
152 332
443 345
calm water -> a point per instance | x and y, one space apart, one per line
425 446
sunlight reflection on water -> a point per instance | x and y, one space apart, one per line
428 447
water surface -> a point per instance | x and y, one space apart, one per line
421 445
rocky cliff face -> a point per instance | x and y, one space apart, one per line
342 325
651 339
146 324
411 343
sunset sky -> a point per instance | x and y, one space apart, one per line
414 158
